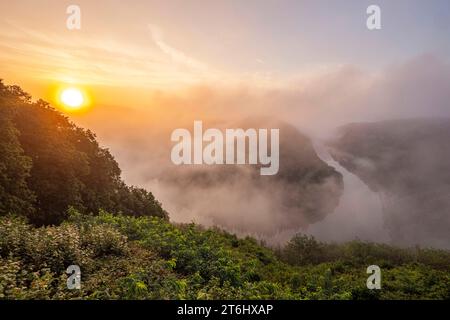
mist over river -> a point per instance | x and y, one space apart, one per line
359 213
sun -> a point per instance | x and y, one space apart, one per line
72 98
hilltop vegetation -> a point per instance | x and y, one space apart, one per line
62 202
124 257
48 164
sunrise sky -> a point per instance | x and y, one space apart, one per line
137 70
126 48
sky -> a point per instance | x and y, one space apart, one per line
126 48
149 67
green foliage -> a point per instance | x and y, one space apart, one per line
303 250
101 240
15 196
123 257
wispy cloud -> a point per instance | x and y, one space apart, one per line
176 55
91 60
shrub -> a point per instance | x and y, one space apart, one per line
54 247
12 233
102 240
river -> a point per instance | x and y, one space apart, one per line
359 214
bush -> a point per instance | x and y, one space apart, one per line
302 250
55 248
125 257
12 233
102 240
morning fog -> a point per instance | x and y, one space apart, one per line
230 147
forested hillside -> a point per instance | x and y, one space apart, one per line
63 202
48 164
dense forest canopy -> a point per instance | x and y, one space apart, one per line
48 164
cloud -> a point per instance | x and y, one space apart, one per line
176 55
316 104
93 61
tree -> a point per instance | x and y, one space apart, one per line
61 164
15 196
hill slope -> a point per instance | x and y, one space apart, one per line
149 258
48 164
408 163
